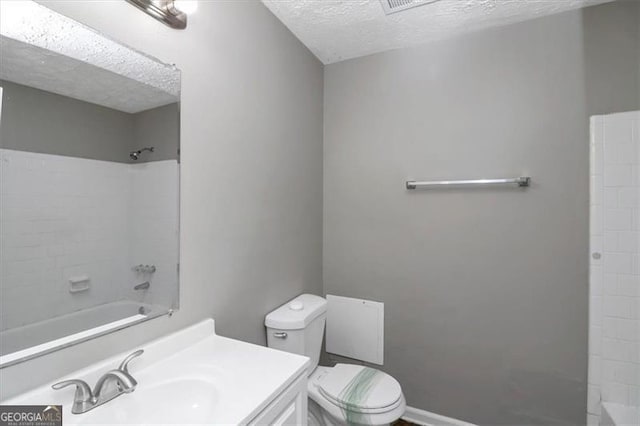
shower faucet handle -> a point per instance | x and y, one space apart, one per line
142 286
145 268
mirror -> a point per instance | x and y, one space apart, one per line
89 145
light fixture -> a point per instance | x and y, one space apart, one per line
186 6
170 12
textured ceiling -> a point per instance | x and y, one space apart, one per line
42 69
45 50
335 30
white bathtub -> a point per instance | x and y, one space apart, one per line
619 415
43 336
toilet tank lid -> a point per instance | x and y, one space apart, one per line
297 313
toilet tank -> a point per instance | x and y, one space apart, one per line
298 327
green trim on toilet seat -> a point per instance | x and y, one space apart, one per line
356 393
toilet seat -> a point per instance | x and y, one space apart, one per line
334 414
384 404
360 389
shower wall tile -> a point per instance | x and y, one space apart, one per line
614 319
617 219
619 263
61 217
618 129
628 241
610 241
154 234
617 175
596 276
595 311
64 217
593 399
595 343
629 285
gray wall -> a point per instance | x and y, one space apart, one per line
251 171
39 121
251 157
611 46
159 128
485 290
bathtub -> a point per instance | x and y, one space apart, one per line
27 341
619 415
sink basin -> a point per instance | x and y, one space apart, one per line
175 401
198 401
209 380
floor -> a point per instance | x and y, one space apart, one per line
403 423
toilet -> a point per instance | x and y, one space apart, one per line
346 394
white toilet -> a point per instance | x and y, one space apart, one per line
342 395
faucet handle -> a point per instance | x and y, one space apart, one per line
127 360
83 391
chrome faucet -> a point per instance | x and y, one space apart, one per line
111 385
123 382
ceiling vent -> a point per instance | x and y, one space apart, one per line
395 6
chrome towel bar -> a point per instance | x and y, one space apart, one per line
522 181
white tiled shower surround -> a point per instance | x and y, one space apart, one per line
614 312
153 229
66 217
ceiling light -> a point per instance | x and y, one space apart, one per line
170 12
186 6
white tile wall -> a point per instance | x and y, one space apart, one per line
64 217
154 234
614 317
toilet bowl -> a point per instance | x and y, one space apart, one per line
345 394
383 405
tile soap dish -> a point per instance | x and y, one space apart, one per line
79 283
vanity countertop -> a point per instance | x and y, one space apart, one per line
192 376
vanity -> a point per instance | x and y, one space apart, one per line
193 376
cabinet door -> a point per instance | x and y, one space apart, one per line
289 408
289 416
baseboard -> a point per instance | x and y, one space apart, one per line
426 418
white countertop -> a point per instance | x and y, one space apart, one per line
189 377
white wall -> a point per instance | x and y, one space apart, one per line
614 317
251 170
154 231
62 217
65 217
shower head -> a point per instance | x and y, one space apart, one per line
135 155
